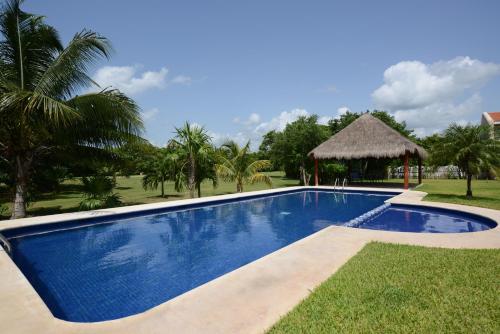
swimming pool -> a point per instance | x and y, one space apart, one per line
111 267
408 218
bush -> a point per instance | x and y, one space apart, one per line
98 193
331 171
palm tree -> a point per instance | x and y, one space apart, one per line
194 144
161 167
205 169
40 111
236 166
469 147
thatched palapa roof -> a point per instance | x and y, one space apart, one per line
367 137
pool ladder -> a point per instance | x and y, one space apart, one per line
344 181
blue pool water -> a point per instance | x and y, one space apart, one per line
405 218
115 268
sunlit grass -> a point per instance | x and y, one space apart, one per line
404 289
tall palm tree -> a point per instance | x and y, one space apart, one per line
236 166
39 106
195 145
469 147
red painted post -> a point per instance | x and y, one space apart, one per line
316 177
406 171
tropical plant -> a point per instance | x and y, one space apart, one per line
205 169
194 144
161 167
42 106
98 193
236 166
470 148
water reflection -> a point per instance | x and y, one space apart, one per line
108 271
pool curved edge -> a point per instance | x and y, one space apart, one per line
267 282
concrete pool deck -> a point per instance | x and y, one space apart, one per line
247 300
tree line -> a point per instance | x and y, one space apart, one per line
56 122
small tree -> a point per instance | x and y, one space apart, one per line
98 193
236 166
193 143
160 168
469 147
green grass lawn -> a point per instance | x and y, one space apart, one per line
486 193
404 289
132 192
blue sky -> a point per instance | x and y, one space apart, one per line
242 68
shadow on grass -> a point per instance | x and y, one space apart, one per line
50 210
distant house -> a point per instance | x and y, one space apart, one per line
493 120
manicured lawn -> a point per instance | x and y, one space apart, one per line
132 192
486 193
404 289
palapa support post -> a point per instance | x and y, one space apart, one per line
316 177
419 170
406 169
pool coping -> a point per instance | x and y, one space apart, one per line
246 300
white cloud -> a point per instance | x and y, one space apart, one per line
427 96
342 110
150 114
182 80
413 84
438 116
254 118
279 123
324 120
130 79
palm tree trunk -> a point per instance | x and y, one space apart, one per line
199 189
22 169
469 186
192 176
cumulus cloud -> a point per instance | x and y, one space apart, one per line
342 110
130 79
253 128
426 96
150 114
279 122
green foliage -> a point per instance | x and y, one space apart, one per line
98 193
193 144
291 147
41 113
344 120
3 209
469 147
236 165
331 171
162 166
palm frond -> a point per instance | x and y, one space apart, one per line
68 72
